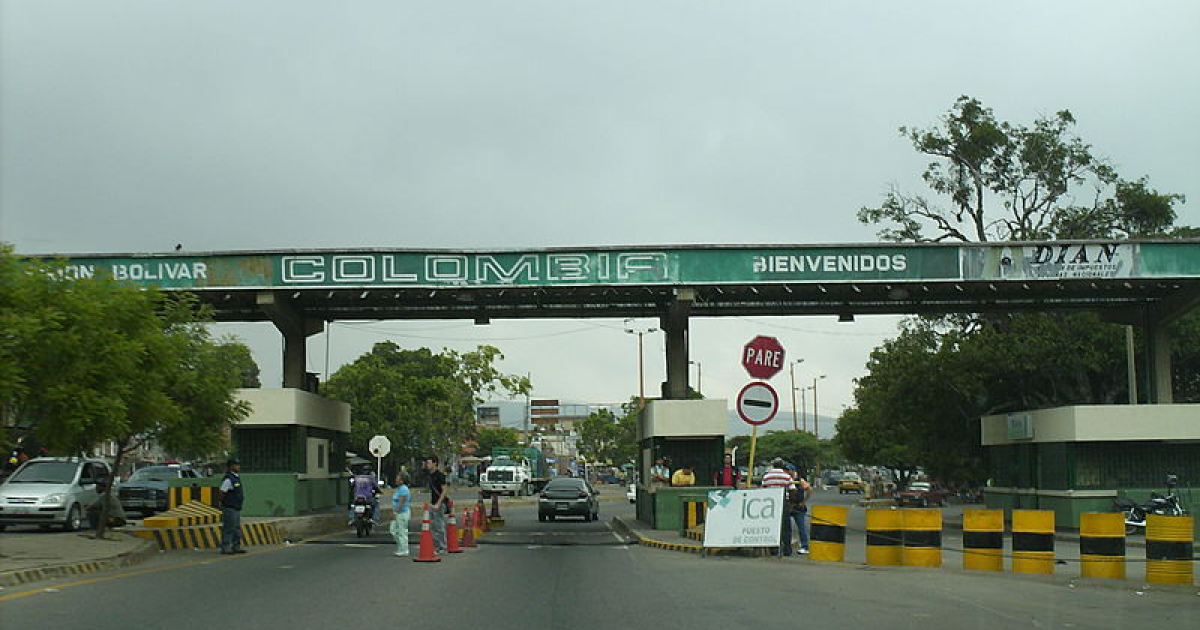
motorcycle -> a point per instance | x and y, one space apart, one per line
1135 513
364 517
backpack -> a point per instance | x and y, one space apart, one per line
794 495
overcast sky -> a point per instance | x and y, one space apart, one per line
133 126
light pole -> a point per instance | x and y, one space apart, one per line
792 372
804 407
699 376
816 418
641 369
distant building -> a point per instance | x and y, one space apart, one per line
487 416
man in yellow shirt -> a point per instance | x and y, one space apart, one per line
684 477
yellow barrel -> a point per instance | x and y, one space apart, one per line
1033 541
983 540
922 538
694 513
1169 549
1102 545
885 534
827 533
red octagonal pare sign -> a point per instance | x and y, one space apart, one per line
763 357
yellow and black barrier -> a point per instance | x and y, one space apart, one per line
983 540
827 533
1033 541
192 494
922 538
1169 547
1102 545
209 536
185 515
885 531
694 513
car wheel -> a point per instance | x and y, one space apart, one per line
541 518
3 527
74 520
147 513
550 517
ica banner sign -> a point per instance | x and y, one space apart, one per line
744 518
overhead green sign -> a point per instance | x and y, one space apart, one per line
672 266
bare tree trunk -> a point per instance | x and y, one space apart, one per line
107 497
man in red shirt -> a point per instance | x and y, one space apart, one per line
727 475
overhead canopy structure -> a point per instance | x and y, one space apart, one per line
1146 283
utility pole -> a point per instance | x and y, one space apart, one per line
792 372
816 418
641 366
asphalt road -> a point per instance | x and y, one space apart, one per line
569 573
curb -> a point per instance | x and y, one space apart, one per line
145 551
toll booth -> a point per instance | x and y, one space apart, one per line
1078 459
682 432
293 451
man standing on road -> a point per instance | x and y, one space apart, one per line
232 498
727 475
437 495
777 477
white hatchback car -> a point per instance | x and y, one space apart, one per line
51 491
631 493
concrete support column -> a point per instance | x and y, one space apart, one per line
675 327
1157 377
295 329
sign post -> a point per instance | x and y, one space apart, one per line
757 403
379 446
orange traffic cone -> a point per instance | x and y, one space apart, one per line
452 536
468 532
481 519
494 518
426 553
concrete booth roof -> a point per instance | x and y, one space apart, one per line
1094 423
278 407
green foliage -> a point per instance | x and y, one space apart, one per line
605 437
421 400
88 361
487 438
797 447
1003 181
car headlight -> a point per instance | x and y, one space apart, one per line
53 499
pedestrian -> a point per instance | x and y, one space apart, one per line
777 477
660 475
401 501
684 477
232 498
727 475
800 493
437 497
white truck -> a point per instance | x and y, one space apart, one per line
507 476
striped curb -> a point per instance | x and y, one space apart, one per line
128 559
209 536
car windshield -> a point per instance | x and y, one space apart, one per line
918 485
155 473
851 476
46 472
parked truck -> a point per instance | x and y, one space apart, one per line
514 471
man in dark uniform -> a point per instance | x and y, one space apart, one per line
232 497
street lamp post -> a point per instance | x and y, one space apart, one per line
699 377
792 372
816 418
641 367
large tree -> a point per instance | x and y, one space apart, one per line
990 180
89 361
996 180
421 400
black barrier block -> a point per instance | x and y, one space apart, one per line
1168 550
1025 541
1102 546
828 533
922 538
884 537
983 540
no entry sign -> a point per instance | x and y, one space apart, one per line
762 357
757 403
